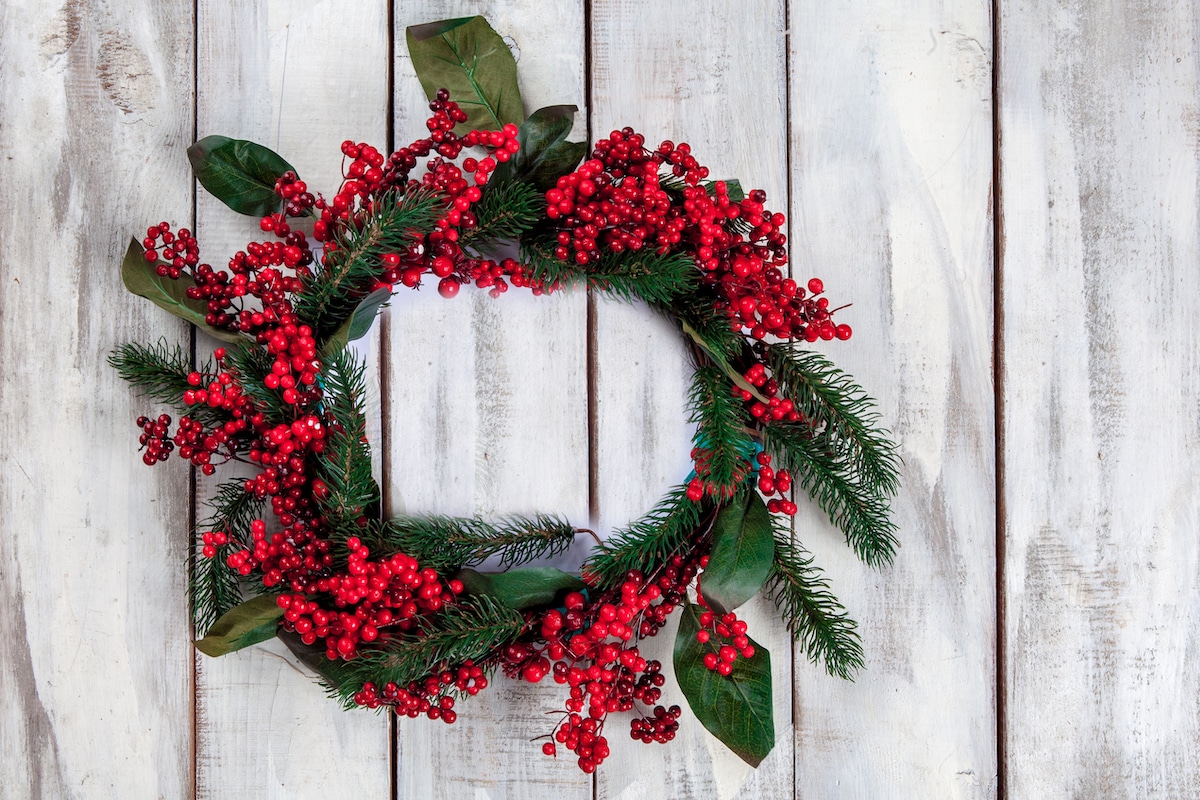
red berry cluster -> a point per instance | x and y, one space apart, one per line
701 485
155 439
775 481
591 648
431 697
389 592
726 635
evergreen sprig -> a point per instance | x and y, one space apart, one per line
345 465
841 414
857 508
331 293
470 628
214 588
160 372
815 617
505 211
646 275
252 364
446 543
721 427
648 541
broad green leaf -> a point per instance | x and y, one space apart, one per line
734 708
239 173
521 588
469 59
333 673
545 154
359 322
251 622
169 293
733 188
742 553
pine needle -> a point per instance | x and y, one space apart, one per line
448 543
648 541
721 426
345 464
214 588
505 211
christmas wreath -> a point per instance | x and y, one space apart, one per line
390 612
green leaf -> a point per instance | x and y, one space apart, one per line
734 708
521 588
742 554
358 323
469 59
239 173
545 154
170 293
251 622
332 673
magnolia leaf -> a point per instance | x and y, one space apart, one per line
256 620
239 173
545 154
469 59
333 673
141 278
359 322
521 588
734 708
742 554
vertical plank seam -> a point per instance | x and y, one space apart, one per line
1001 655
787 160
193 495
590 344
393 735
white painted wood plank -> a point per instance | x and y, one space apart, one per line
1099 200
95 672
487 414
299 77
711 74
891 175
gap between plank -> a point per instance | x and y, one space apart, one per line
193 495
787 157
590 344
1001 686
384 358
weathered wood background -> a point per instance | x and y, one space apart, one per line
1006 190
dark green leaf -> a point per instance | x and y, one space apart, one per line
239 173
734 708
169 293
521 588
469 59
251 622
545 154
742 554
333 673
359 321
733 188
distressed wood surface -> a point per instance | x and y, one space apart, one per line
685 77
486 413
1099 122
891 174
871 123
283 74
95 673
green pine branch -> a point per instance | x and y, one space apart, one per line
345 464
722 427
645 275
330 295
214 588
506 211
815 617
160 372
841 414
469 629
646 542
859 509
252 364
448 543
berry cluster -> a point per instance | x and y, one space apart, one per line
154 439
726 635
432 697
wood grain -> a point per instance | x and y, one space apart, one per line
486 414
95 673
1098 122
299 77
891 174
685 75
